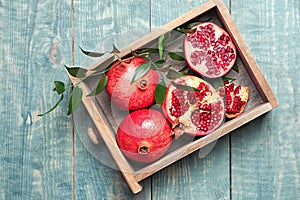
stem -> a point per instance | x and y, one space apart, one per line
153 63
119 58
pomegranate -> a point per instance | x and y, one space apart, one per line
209 51
196 112
144 135
235 98
131 96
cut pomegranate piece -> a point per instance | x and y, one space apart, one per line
209 51
235 98
131 96
196 112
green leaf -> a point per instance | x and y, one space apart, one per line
160 46
91 54
154 65
173 74
140 71
228 79
178 56
76 71
101 84
115 50
145 50
135 54
160 62
191 31
236 68
179 29
58 102
184 87
59 87
153 50
103 66
160 92
75 100
191 25
184 30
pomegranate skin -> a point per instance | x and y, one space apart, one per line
144 135
210 51
131 96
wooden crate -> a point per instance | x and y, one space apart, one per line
261 99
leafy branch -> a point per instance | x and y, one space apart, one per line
82 74
156 59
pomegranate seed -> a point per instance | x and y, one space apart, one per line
225 57
232 56
237 89
222 50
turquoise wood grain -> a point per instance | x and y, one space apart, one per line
95 22
165 11
35 153
195 178
265 152
191 177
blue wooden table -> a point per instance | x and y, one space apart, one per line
43 157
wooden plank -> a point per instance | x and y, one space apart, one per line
35 152
191 177
265 153
96 23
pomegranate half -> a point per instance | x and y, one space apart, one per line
197 112
209 51
144 135
131 96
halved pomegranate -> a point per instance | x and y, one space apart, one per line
131 96
193 112
144 135
235 98
209 51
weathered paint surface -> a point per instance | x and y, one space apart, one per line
260 160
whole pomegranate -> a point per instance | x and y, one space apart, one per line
235 98
209 51
196 112
131 96
144 135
